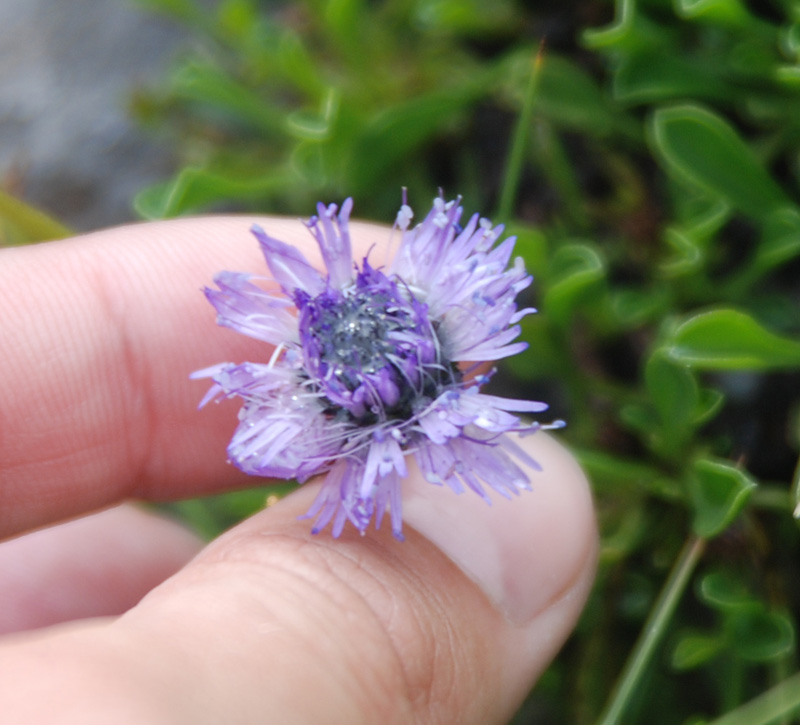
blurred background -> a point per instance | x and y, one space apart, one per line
646 154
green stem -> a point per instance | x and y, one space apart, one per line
516 153
775 497
654 629
778 673
734 679
774 703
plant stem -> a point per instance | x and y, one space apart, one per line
654 629
780 700
516 154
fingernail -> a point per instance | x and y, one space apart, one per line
523 553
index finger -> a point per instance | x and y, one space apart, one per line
98 339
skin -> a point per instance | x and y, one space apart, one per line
120 616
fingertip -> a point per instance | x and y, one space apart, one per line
521 552
97 565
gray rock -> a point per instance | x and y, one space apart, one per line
67 72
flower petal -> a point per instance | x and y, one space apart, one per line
334 241
288 266
251 311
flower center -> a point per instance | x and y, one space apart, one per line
352 332
370 348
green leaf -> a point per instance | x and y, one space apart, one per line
788 75
718 492
635 307
731 340
708 405
577 270
344 20
211 86
703 149
705 217
531 245
674 392
716 12
21 223
701 220
615 34
396 132
650 76
780 241
695 649
790 40
629 31
688 256
759 636
614 472
466 16
624 533
193 189
315 125
298 65
639 418
725 592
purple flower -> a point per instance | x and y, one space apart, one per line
374 364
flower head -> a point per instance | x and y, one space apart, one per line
372 364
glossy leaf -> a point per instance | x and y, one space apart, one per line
709 404
674 392
649 76
725 592
702 219
577 269
617 32
723 12
781 239
731 340
703 149
688 256
718 492
695 649
760 636
194 189
628 32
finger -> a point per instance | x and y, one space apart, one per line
271 624
94 566
97 405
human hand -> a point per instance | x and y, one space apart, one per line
268 623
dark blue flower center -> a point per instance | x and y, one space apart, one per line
352 331
370 348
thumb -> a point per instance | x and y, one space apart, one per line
273 624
